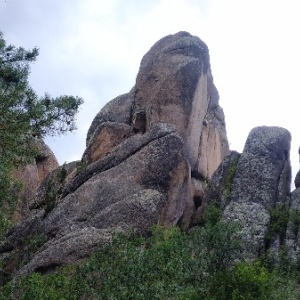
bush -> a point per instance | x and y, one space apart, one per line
244 281
170 264
279 217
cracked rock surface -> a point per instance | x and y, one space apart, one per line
249 185
147 155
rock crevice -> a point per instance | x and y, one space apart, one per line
142 149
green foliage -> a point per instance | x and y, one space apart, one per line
62 174
54 188
285 288
80 166
24 117
230 176
27 114
5 224
38 287
252 281
213 214
21 255
170 264
204 183
244 281
31 245
9 189
50 197
294 217
279 217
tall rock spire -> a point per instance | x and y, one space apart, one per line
148 154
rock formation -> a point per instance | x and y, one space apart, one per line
250 185
31 176
293 226
147 155
157 155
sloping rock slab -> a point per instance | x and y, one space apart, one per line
133 194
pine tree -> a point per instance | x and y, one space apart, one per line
24 116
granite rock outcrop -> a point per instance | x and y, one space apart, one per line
31 176
293 225
147 157
158 155
250 185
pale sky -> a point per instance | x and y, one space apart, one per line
93 48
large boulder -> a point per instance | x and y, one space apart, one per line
148 155
110 127
175 86
31 176
45 160
220 185
263 173
253 184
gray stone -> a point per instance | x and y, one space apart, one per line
31 176
293 228
297 180
213 146
117 110
261 182
253 220
148 155
263 172
175 86
220 185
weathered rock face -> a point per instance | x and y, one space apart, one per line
297 180
213 145
175 86
110 127
31 176
249 185
46 161
220 189
147 154
263 173
293 227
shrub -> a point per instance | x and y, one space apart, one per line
244 281
230 177
170 264
279 217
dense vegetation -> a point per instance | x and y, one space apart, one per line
169 264
24 118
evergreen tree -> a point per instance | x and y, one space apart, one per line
24 116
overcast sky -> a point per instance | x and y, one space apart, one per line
93 48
